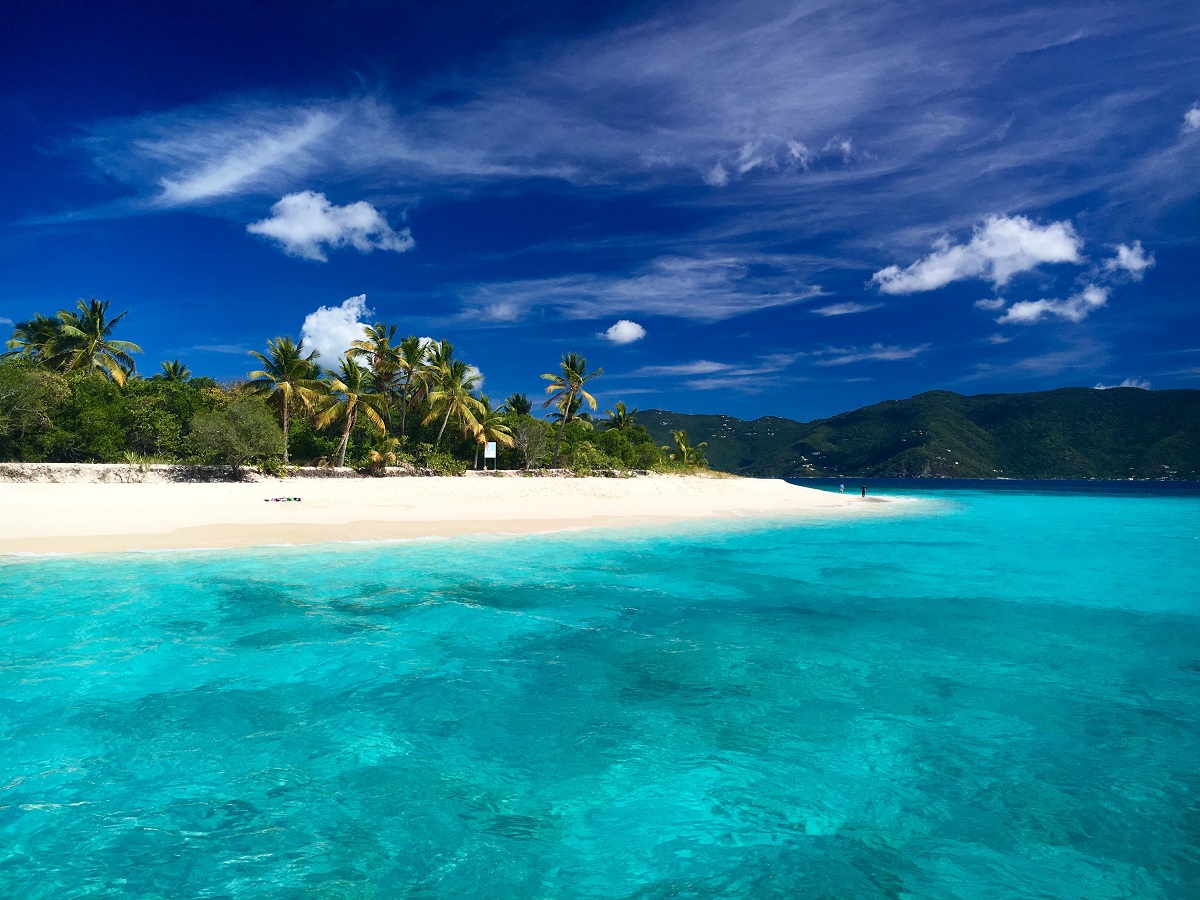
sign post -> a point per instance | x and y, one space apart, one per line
489 452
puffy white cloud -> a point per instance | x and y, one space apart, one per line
990 303
1191 119
1002 247
306 222
331 329
845 309
875 353
1074 309
5 321
624 332
1131 259
1128 382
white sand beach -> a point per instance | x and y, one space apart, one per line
94 518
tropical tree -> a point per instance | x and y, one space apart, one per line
619 418
38 339
518 405
88 345
383 360
531 438
410 362
566 390
350 392
175 372
490 426
287 378
452 397
684 452
385 453
242 432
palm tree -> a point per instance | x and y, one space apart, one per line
383 360
684 452
174 371
88 345
39 339
410 360
286 377
350 393
490 426
619 418
453 393
385 453
518 405
566 389
574 415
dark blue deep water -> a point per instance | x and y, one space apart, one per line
982 694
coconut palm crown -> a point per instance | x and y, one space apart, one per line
566 390
87 344
286 378
350 394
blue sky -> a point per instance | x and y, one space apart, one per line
744 208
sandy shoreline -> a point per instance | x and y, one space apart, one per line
96 518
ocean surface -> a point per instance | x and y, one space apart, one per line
979 694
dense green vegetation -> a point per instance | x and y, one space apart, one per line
70 392
1068 433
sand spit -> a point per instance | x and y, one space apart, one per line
99 513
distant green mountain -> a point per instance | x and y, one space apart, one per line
1068 433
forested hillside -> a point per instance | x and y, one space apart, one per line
1066 433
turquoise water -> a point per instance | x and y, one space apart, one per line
985 696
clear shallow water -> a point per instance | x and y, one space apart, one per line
996 696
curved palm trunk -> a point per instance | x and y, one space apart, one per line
351 418
285 429
558 441
404 407
438 443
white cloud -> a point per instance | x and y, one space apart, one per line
1131 259
845 309
624 332
990 303
1074 309
214 163
1191 119
331 329
5 321
698 367
1002 247
875 353
997 339
717 176
306 222
708 289
1127 383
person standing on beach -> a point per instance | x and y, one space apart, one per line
841 489
864 492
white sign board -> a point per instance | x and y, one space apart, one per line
489 452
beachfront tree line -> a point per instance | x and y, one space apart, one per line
70 392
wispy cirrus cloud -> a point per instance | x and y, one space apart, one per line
844 356
762 373
845 309
708 289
